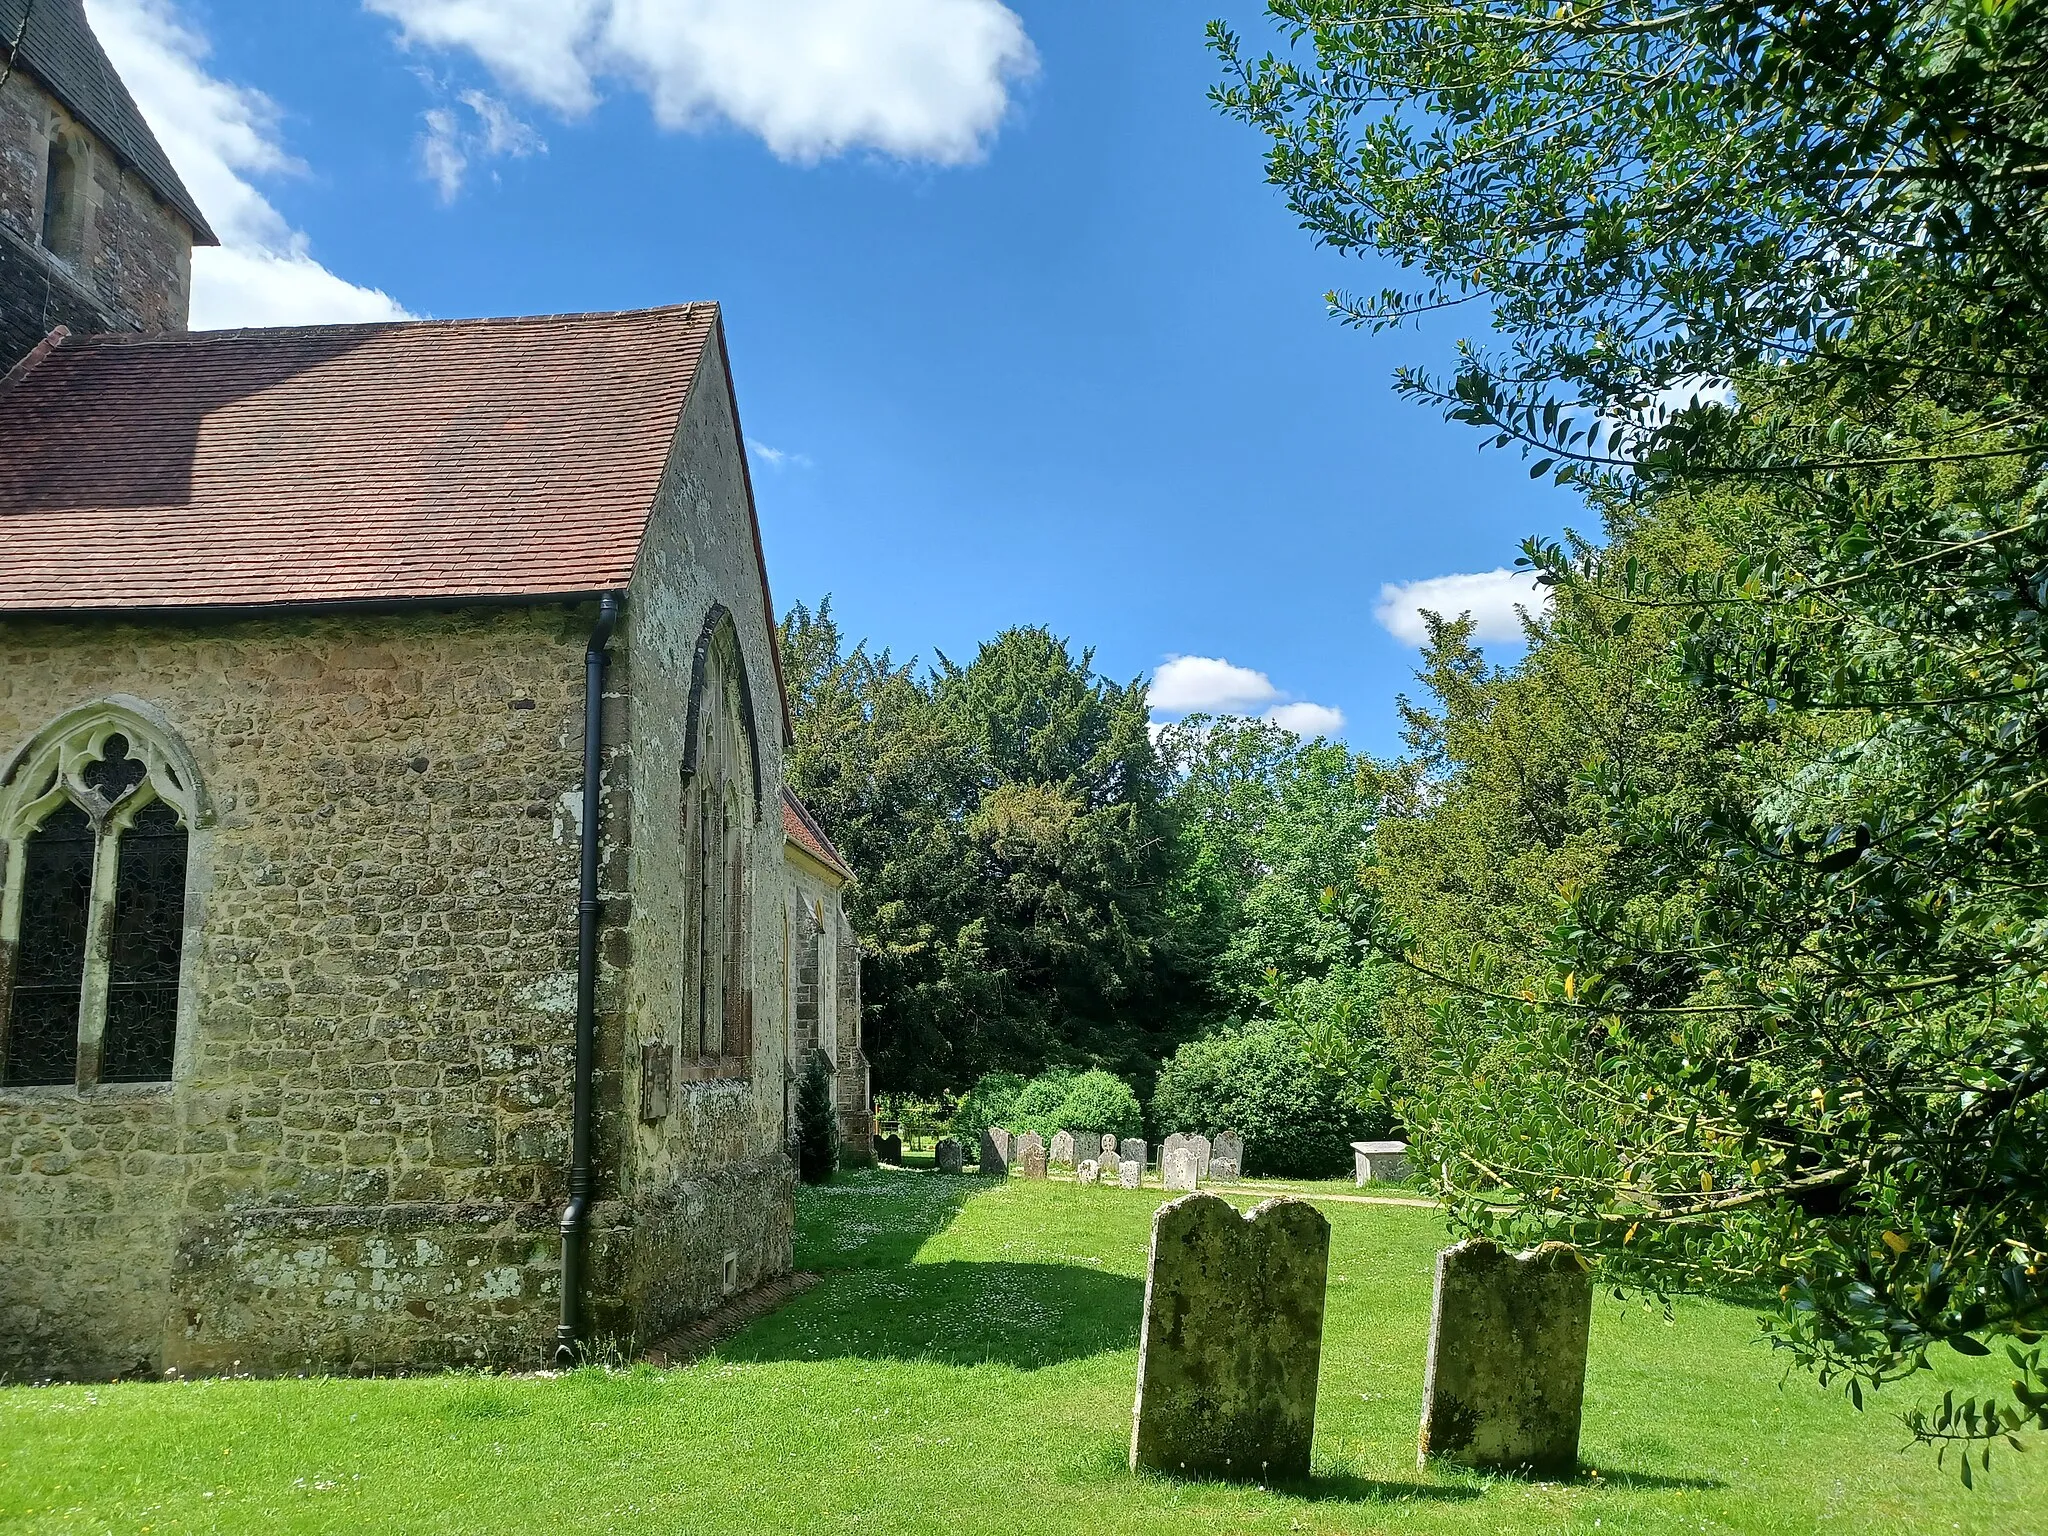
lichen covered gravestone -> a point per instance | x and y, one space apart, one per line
995 1151
1090 1171
947 1156
1177 1168
1506 1379
1034 1162
1229 1148
1199 1145
1022 1147
1130 1173
1232 1339
1378 1160
1133 1150
1061 1153
1168 1147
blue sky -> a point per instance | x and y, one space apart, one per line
1020 333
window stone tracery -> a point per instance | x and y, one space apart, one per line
96 816
720 809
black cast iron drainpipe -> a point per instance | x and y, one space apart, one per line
582 1178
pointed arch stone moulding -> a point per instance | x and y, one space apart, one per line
718 620
48 769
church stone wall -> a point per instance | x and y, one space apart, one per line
362 1157
134 271
705 1178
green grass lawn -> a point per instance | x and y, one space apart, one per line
967 1366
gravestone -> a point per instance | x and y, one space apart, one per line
1177 1168
889 1149
1062 1150
1110 1151
1168 1147
1232 1339
1034 1162
1222 1171
946 1156
1133 1148
1506 1381
1131 1175
1375 1160
1022 1146
995 1151
1090 1172
1199 1145
1230 1147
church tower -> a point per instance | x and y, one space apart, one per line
96 229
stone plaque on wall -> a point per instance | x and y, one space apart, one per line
1232 1339
657 1079
1506 1380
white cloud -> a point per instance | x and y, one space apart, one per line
922 80
219 135
1306 719
1491 597
452 140
1209 684
776 458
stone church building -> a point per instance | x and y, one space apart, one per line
408 945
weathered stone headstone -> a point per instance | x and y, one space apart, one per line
1090 1171
1199 1145
889 1149
1061 1153
1378 1160
1232 1339
1133 1148
1131 1175
1110 1151
947 1156
1034 1162
1506 1381
1168 1147
1222 1171
995 1151
1230 1147
1177 1168
1021 1147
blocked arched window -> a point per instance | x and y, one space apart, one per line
65 198
721 774
96 815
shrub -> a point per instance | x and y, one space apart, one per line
1297 1119
817 1130
992 1101
1038 1106
1062 1100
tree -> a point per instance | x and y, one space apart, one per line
817 1129
1802 1048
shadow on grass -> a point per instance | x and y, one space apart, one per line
878 1218
1317 1487
1645 1482
956 1313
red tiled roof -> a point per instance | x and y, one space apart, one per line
799 826
350 463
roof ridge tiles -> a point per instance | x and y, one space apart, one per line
35 355
134 339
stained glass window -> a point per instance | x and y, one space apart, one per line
49 965
148 936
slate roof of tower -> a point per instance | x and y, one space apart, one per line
801 828
58 47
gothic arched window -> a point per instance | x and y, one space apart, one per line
721 802
96 818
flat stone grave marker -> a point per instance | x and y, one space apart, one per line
1230 1147
1177 1169
1089 1172
1232 1340
1199 1145
1062 1150
1375 1160
1134 1148
1505 1386
1034 1162
947 1156
995 1151
889 1149
1131 1175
